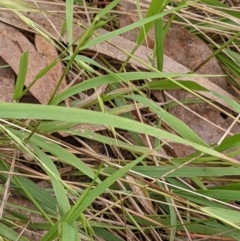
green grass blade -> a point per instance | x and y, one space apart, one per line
9 233
220 194
235 105
105 234
22 73
106 10
118 32
18 111
228 216
69 21
60 192
154 8
171 120
186 171
169 85
68 233
229 143
235 56
110 141
159 43
110 79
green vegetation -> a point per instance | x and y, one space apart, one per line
96 162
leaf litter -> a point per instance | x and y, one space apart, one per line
7 81
14 43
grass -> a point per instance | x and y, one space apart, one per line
102 167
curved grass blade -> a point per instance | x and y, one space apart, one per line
31 111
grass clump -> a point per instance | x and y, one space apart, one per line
99 160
